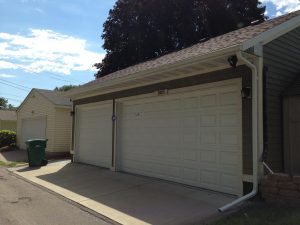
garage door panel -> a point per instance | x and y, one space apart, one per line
33 128
192 138
94 135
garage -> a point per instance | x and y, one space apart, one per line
94 134
33 128
189 135
45 114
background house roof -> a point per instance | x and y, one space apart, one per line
224 41
6 114
55 97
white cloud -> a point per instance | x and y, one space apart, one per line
284 6
4 75
46 50
7 65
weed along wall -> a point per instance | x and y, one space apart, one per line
281 189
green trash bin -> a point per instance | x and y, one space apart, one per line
36 152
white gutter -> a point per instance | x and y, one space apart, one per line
73 93
255 132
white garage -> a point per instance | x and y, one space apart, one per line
94 134
33 129
190 135
45 114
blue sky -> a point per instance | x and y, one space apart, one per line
49 43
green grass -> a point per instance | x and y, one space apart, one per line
12 164
262 214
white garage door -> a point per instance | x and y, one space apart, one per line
94 134
191 136
33 129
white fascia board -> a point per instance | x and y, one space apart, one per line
272 34
75 94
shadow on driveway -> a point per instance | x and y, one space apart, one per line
149 200
14 156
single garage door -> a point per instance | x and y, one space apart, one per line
94 134
33 128
191 136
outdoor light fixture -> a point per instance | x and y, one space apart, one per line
246 93
232 61
72 113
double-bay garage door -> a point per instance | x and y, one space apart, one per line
190 135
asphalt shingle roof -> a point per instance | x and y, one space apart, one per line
6 114
55 97
227 40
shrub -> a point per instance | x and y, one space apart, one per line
7 138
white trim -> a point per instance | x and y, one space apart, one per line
115 130
272 33
73 93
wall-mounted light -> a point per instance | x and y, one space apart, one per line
246 92
72 113
232 60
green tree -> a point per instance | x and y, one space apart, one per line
3 103
65 87
139 30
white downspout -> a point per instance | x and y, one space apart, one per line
255 133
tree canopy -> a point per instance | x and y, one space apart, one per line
139 30
4 104
65 87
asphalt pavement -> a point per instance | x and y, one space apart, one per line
22 203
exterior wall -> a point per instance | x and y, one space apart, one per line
62 134
291 128
37 106
281 61
8 125
241 71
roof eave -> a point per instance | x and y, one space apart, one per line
75 93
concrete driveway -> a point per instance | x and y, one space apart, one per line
125 198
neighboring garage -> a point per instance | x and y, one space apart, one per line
45 114
8 119
201 116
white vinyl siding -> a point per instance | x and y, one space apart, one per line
37 106
63 126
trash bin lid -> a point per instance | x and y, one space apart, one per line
38 140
